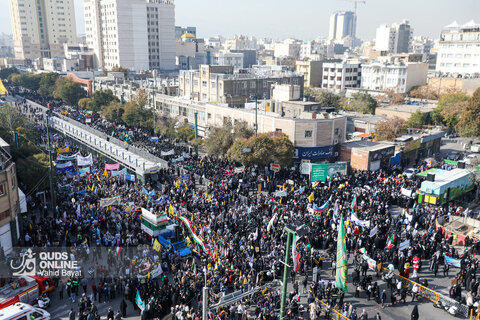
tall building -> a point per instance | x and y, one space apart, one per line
342 25
339 76
397 38
134 34
459 50
41 27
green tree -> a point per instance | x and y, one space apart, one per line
328 99
219 139
103 98
70 92
136 116
389 129
469 124
47 84
83 103
361 102
284 149
6 72
113 112
166 127
26 80
449 109
185 133
417 120
119 69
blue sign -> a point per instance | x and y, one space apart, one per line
314 152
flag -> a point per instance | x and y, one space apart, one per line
196 238
3 90
390 241
118 251
139 302
193 266
271 222
295 254
335 211
171 210
156 245
311 197
415 206
105 173
342 262
354 202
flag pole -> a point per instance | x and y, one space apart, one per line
285 272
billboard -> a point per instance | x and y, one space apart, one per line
321 171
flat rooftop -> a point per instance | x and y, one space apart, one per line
367 145
409 108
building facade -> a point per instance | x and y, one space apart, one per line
398 77
342 25
339 76
312 72
459 50
134 34
180 31
397 38
41 27
227 58
219 84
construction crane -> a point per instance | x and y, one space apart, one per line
354 24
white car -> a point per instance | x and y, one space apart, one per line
21 311
473 158
409 173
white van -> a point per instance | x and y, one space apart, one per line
23 311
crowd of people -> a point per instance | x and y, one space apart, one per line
242 230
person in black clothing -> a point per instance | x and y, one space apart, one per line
123 308
415 313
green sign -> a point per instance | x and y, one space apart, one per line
322 170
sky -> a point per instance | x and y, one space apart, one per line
301 19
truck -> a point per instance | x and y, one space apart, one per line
25 289
23 311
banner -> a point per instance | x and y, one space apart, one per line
114 201
240 169
179 159
72 174
84 170
373 232
61 157
342 262
453 262
186 155
64 150
404 245
372 264
84 161
3 90
321 171
167 153
299 191
281 193
119 172
129 177
295 254
363 223
64 165
66 169
114 166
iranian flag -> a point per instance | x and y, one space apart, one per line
390 241
118 251
354 202
295 254
196 238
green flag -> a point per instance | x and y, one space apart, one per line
342 263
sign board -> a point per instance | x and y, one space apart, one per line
314 152
315 274
275 167
305 168
321 171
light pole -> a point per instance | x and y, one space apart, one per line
285 272
256 115
205 297
52 192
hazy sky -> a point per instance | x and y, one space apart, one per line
302 19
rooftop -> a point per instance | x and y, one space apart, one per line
367 145
444 176
409 108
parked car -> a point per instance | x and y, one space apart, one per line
409 173
454 156
473 158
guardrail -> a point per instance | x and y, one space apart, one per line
337 315
431 295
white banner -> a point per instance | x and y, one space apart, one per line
84 161
363 223
167 153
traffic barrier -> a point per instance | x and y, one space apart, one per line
336 314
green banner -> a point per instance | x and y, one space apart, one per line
342 262
451 162
321 171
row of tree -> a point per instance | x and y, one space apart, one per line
361 101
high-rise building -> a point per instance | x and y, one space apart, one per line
341 25
180 31
133 34
397 38
459 50
41 27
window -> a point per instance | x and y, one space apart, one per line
209 116
204 96
308 133
35 315
2 190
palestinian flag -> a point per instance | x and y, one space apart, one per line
390 240
415 206
354 202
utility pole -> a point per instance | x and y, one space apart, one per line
285 272
256 115
205 298
153 99
50 169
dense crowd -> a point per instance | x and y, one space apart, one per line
243 231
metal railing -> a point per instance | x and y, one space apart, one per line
334 314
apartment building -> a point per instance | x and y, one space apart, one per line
312 72
398 76
41 27
134 34
339 76
397 38
342 24
9 201
459 50
219 84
